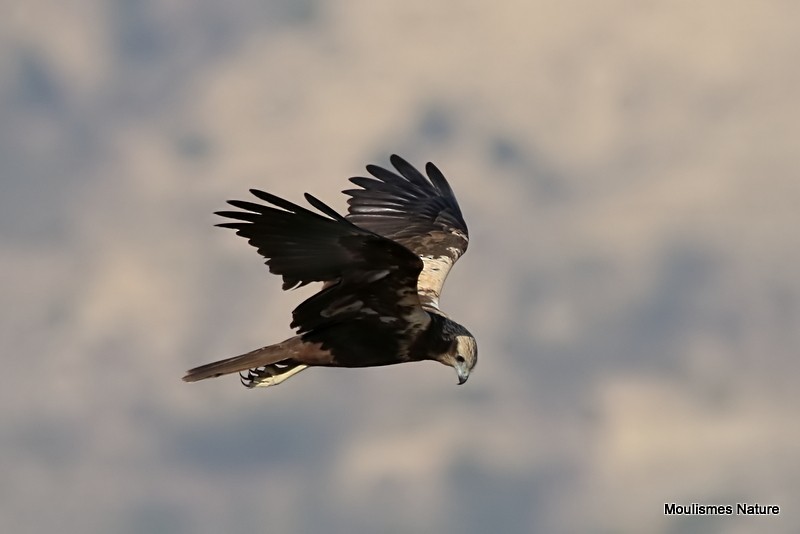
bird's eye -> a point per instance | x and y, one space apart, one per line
460 359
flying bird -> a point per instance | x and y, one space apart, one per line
382 265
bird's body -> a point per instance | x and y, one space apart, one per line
383 267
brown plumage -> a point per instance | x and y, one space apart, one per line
383 267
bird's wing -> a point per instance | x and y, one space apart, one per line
371 296
417 211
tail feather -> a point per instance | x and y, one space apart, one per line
256 358
294 352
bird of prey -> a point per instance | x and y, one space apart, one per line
382 265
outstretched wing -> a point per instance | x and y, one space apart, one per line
370 302
417 211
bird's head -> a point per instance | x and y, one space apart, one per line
462 354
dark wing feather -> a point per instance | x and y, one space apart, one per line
418 212
371 302
298 244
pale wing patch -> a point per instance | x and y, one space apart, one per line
458 233
431 279
455 251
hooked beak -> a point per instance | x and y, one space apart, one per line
463 373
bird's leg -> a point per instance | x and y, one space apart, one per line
270 375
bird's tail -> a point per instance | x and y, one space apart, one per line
288 354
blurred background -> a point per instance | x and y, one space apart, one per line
630 172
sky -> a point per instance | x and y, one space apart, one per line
630 175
